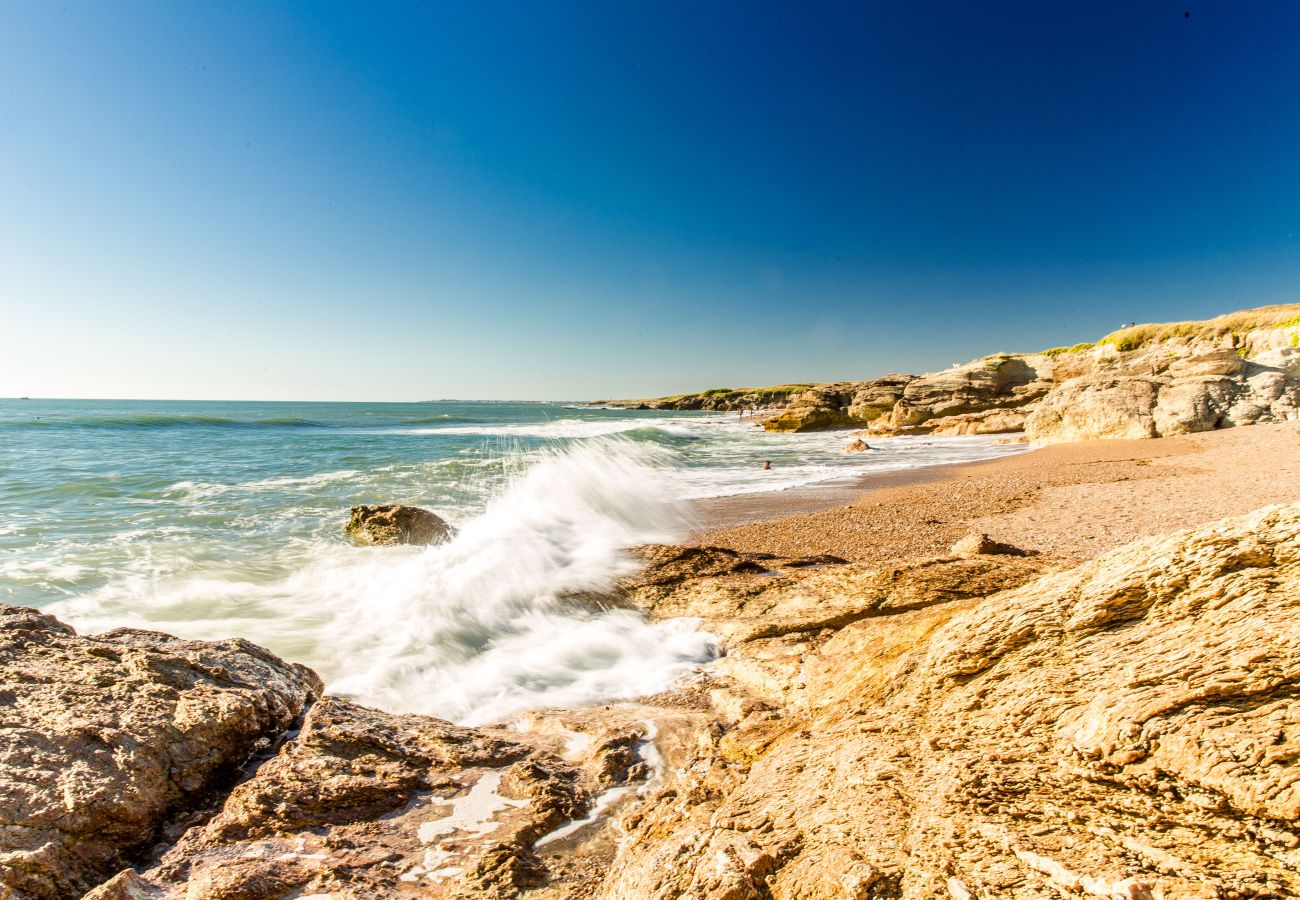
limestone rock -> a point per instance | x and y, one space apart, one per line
857 445
999 382
362 803
1144 381
818 409
369 802
978 544
993 421
844 404
1124 729
106 739
396 524
1166 389
876 398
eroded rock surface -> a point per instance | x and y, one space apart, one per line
1128 728
1164 390
362 803
1144 381
103 740
960 726
396 524
369 804
960 400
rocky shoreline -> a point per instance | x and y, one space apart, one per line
1140 382
966 723
1068 672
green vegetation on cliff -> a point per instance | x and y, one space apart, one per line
1285 315
1237 324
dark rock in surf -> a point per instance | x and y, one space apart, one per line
396 524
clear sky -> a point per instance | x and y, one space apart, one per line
554 200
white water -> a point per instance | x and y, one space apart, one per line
474 629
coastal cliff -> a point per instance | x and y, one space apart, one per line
1144 381
981 723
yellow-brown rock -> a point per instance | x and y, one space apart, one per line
1129 728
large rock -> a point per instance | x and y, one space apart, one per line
979 544
1167 389
993 421
396 524
363 803
1126 729
876 398
819 409
999 382
844 404
106 740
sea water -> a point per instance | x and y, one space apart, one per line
215 519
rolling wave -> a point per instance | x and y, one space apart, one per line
157 420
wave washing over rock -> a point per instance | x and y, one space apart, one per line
513 613
954 727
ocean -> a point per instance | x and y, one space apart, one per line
220 519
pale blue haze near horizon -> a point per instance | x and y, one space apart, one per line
509 200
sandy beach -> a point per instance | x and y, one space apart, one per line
1068 502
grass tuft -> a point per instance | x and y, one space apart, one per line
1286 315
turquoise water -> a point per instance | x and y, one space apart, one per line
209 519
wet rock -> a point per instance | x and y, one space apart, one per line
105 739
366 803
396 524
744 597
857 445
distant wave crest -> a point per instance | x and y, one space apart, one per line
157 420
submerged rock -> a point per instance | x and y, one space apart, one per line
857 445
396 524
105 740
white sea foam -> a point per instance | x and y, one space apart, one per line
496 621
493 622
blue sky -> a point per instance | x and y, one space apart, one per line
563 200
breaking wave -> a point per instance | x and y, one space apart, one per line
497 620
